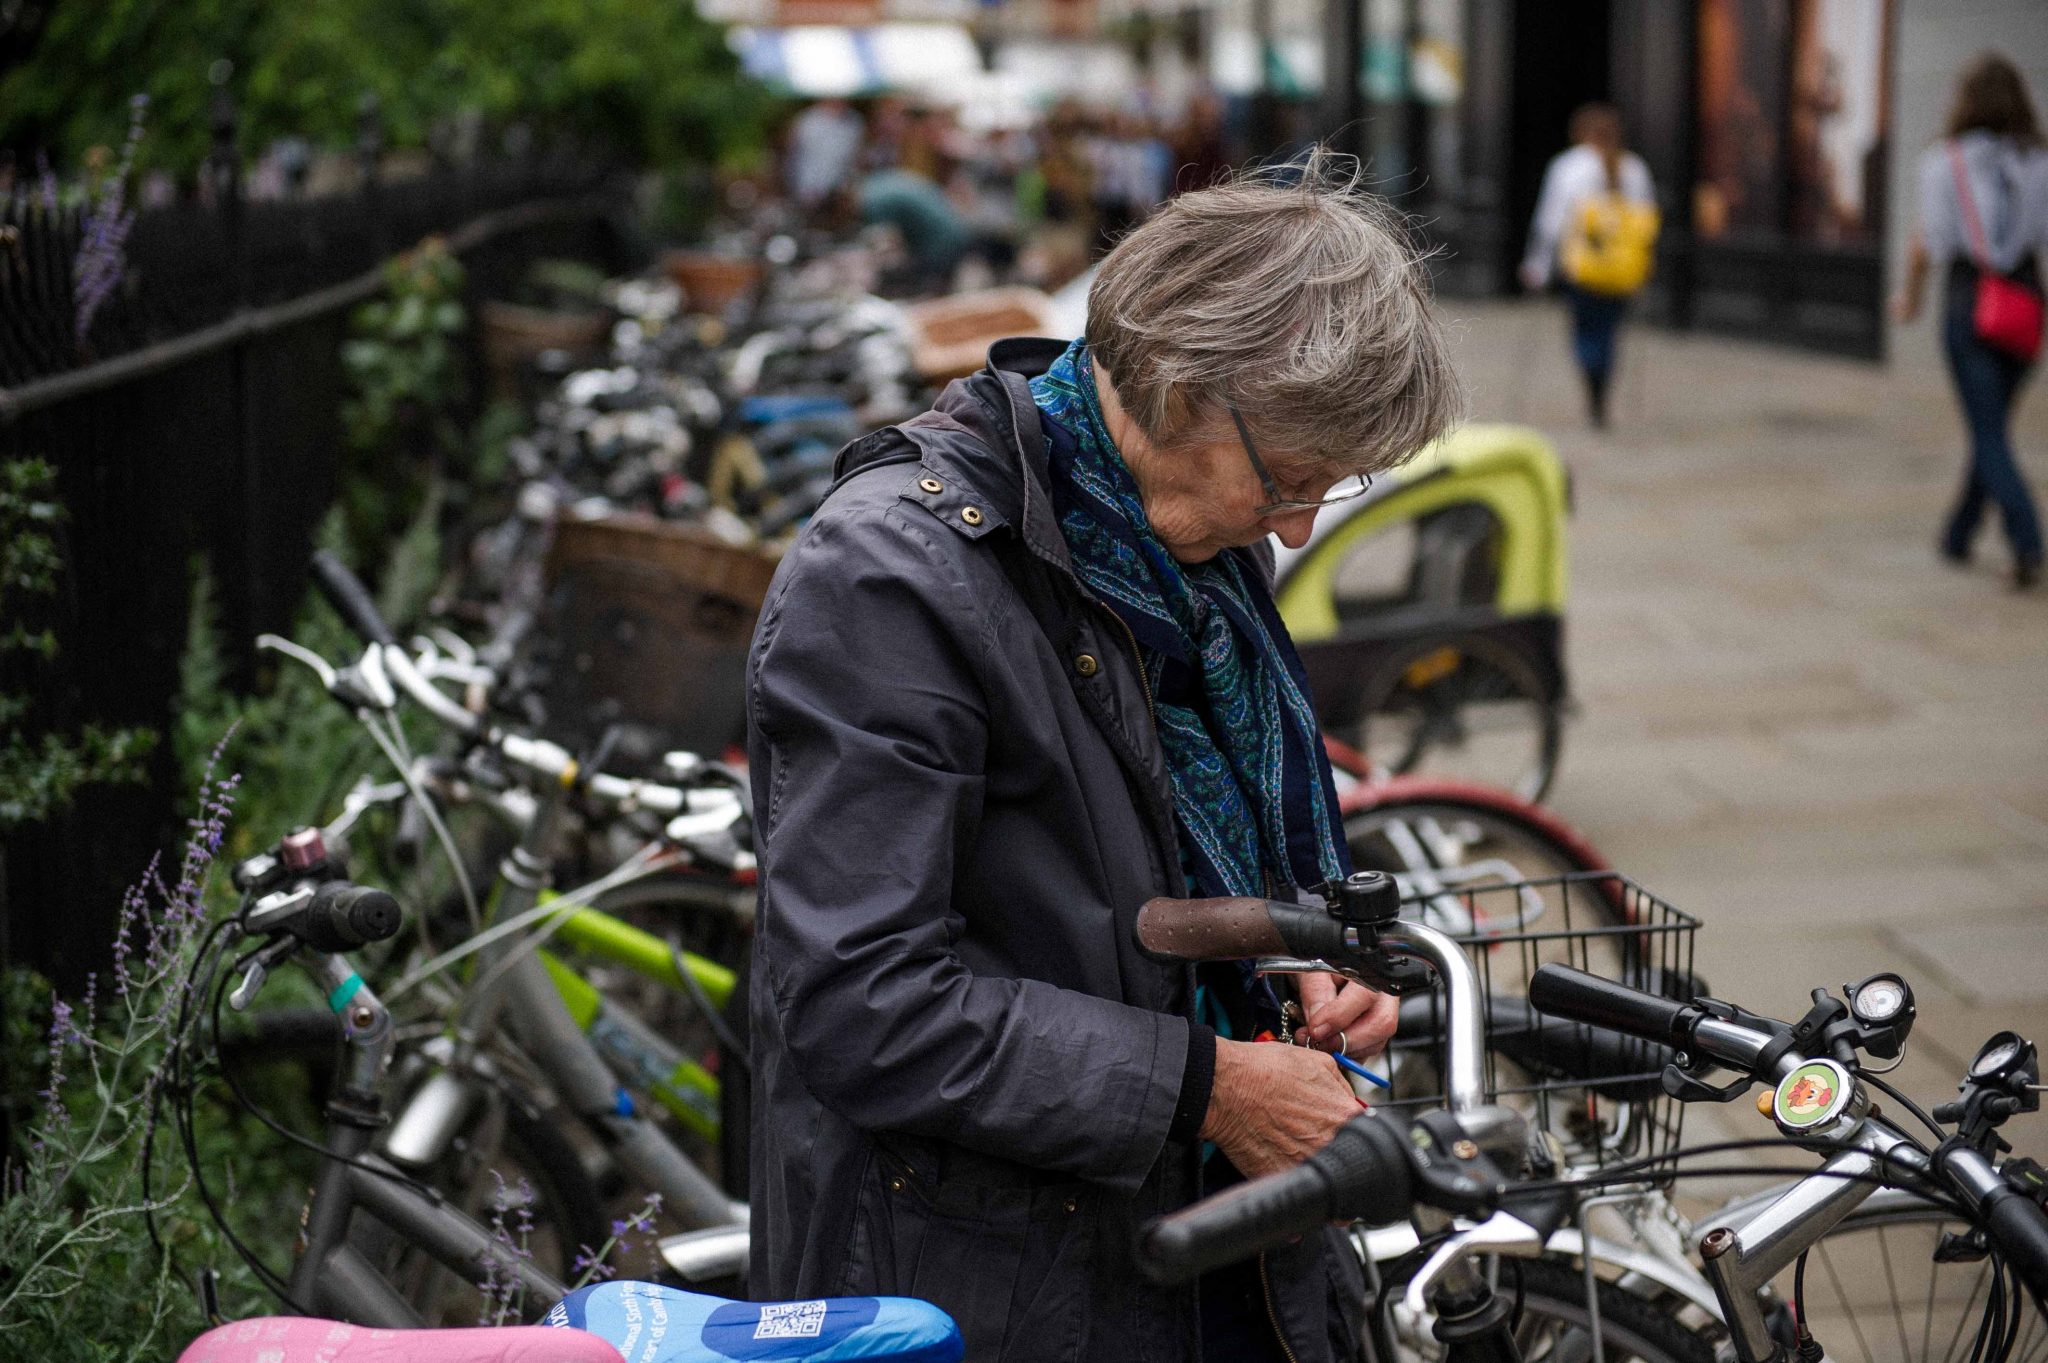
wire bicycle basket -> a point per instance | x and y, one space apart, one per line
1599 1093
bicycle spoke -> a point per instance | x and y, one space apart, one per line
1827 1262
1969 1310
1891 1282
1927 1326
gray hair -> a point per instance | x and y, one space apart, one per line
1302 303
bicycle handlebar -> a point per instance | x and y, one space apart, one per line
1578 996
1362 1174
2011 1219
337 916
351 599
1235 929
2014 1221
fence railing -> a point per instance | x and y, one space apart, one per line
198 420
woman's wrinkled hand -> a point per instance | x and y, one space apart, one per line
1274 1105
1336 1009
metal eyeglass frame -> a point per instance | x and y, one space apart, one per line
1276 505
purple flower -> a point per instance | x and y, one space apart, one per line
102 257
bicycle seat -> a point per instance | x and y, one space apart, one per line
297 1339
649 1323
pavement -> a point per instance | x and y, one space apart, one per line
1795 721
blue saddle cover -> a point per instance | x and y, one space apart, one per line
648 1323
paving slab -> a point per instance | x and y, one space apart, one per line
1795 721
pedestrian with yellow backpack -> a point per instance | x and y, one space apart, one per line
1595 228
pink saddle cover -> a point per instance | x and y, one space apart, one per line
295 1339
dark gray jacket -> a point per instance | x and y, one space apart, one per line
965 1071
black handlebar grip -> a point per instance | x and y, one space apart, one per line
343 917
2017 1225
350 598
1362 1174
1567 993
1234 929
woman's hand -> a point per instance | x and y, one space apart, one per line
1338 1011
1273 1105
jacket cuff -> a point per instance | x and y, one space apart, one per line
1197 1078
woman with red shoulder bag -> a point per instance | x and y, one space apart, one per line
1984 223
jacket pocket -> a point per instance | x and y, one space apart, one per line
1002 1249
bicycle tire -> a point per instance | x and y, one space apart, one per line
1554 1322
1404 726
1487 823
1844 1319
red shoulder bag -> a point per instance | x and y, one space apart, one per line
2008 315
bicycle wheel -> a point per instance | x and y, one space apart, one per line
1462 836
1463 705
1554 1325
1874 1291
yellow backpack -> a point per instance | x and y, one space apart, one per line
1610 245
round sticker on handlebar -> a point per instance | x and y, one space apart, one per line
1812 1095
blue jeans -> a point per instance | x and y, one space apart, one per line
1987 382
1596 321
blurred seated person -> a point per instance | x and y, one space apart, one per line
935 234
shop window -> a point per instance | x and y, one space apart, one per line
1792 111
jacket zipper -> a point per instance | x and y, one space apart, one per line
1273 1310
1137 659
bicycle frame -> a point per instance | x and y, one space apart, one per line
331 1276
1741 1263
516 985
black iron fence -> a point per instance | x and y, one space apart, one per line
196 419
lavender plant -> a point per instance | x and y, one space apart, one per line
79 1275
102 257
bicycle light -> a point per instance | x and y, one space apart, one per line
1883 1008
1880 999
2001 1057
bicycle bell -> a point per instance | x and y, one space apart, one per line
1367 899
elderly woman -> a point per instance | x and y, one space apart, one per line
1022 673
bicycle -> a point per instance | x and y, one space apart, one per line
579 1052
1368 1173
307 915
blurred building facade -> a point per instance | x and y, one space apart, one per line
1782 134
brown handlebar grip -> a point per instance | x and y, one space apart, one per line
1209 929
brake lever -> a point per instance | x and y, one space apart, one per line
259 970
1502 1233
300 654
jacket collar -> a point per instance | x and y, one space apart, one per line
1003 457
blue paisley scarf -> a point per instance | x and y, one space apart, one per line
1252 795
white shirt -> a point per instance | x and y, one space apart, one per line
1576 175
2009 184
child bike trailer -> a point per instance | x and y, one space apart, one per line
1430 613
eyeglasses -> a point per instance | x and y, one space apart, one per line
1275 504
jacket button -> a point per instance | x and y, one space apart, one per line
1086 664
1073 1205
895 1185
970 514
931 485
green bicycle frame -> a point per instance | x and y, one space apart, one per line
650 1061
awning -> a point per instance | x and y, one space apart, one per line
819 61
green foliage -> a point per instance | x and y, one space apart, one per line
405 380
39 774
650 83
